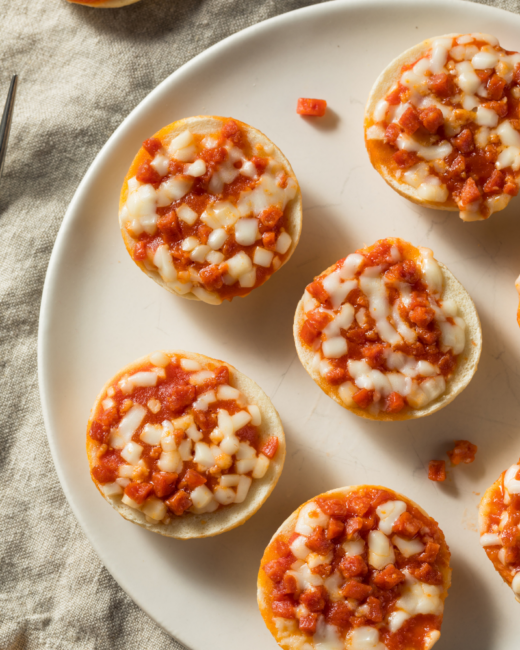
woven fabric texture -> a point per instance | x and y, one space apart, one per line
82 71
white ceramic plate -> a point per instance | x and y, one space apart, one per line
100 312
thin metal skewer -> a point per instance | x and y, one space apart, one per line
5 124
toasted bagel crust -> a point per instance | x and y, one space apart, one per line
466 367
206 125
191 525
264 584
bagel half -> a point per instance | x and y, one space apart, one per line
499 513
324 534
466 361
449 178
104 4
103 444
258 247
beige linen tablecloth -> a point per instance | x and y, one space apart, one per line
81 72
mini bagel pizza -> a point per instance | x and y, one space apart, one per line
442 124
184 445
499 521
388 332
210 208
104 4
355 568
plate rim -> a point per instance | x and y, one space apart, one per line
330 7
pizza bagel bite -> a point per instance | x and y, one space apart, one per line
388 332
356 568
442 124
499 523
210 208
184 445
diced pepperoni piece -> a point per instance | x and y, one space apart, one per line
421 316
152 145
336 376
355 589
104 474
511 186
269 240
374 354
180 396
457 167
282 547
495 87
108 417
192 479
175 168
354 525
407 525
394 403
284 608
432 118
212 276
339 614
270 218
164 483
426 573
394 96
437 470
215 155
147 174
491 153
318 541
352 566
485 74
314 598
470 193
388 578
139 492
463 452
169 225
405 159
139 253
308 622
335 528
323 570
249 434
430 553
275 569
410 121
363 397
501 108
332 507
314 107
510 535
205 420
98 432
392 132
179 502
315 322
406 271
270 448
317 290
374 611
464 141
442 85
357 505
290 584
447 363
232 132
260 163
